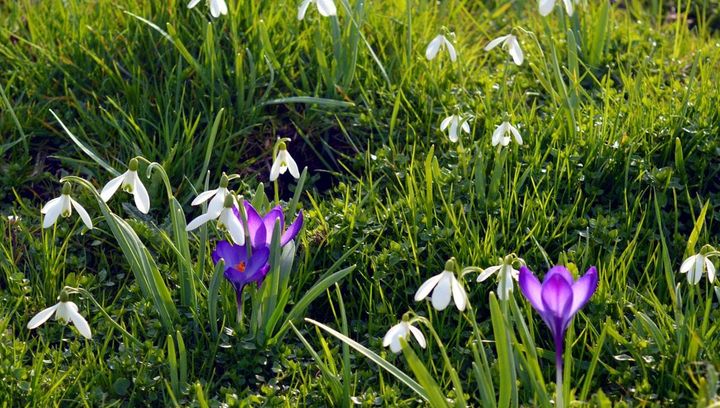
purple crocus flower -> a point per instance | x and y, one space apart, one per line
260 229
239 269
558 299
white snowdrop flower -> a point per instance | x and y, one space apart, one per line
546 7
402 330
13 219
511 44
501 135
444 287
283 162
436 44
695 266
506 274
455 122
63 205
218 196
227 219
130 183
326 8
217 7
66 312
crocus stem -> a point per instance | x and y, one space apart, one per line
559 403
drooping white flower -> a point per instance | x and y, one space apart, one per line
65 311
501 135
546 7
402 330
227 219
695 265
218 196
326 8
436 44
506 274
455 122
511 44
283 162
217 7
444 287
63 205
130 183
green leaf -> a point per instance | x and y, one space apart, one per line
435 394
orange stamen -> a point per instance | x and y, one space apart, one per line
240 266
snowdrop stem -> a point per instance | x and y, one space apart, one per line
88 295
276 188
163 174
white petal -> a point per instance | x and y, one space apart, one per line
214 9
710 270
687 264
303 8
142 199
451 50
326 7
515 51
427 287
446 122
50 204
459 294
505 286
466 127
65 311
84 216
51 210
233 225
217 203
204 196
498 133
275 170
222 6
494 43
42 317
432 49
443 292
392 333
568 7
546 7
200 220
516 134
453 130
81 324
395 345
418 336
193 3
697 270
111 187
488 272
292 166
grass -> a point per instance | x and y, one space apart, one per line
620 158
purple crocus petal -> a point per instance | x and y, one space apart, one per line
293 230
258 259
256 228
261 274
557 297
583 289
561 271
269 221
531 288
231 253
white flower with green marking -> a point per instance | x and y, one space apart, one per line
695 266
501 135
283 162
217 7
131 184
546 6
506 275
326 8
402 330
437 44
444 287
66 312
63 206
455 124
228 218
511 45
216 196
